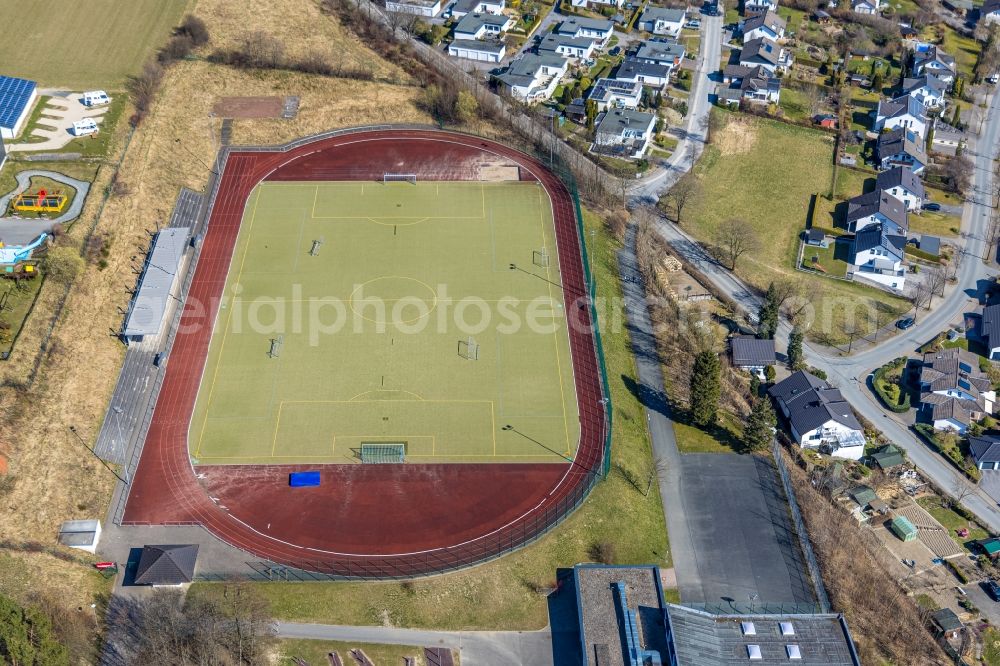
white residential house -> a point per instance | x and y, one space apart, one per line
482 26
624 133
900 147
533 78
463 7
928 89
577 48
818 416
904 185
954 392
428 8
877 208
750 84
767 54
662 21
648 74
492 50
869 7
903 112
929 59
947 139
877 256
611 93
766 25
598 30
757 6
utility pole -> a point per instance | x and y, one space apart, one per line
72 429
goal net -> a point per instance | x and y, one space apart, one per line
468 349
540 258
381 453
399 178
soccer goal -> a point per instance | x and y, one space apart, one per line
383 453
399 178
468 349
276 344
540 258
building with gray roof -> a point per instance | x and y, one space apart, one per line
985 450
901 147
902 184
954 391
818 415
877 207
660 52
649 74
624 133
752 353
149 304
989 330
171 564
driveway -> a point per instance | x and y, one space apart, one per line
64 109
990 483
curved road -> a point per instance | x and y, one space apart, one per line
21 231
847 372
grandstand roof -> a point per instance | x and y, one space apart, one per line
14 97
150 304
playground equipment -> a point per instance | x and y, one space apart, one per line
41 201
14 253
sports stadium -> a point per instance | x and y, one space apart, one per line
387 364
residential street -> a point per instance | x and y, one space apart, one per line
692 137
847 371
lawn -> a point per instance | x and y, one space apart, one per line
951 520
18 304
504 594
828 260
935 224
314 652
741 179
991 647
722 438
85 44
964 49
795 104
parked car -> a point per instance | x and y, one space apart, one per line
904 323
931 206
994 78
992 589
615 51
693 24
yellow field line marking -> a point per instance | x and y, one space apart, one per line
493 419
277 424
361 402
225 331
419 397
312 213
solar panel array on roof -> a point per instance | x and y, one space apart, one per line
14 97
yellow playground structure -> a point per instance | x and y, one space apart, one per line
40 202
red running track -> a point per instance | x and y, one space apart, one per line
371 521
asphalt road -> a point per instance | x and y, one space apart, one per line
476 648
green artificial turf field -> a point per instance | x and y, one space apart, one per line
408 325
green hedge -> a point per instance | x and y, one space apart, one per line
957 571
923 254
884 388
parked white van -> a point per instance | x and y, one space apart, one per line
96 98
84 127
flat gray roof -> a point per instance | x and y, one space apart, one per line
487 46
145 317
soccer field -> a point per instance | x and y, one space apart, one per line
429 315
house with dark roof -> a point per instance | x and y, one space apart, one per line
877 256
622 619
482 26
985 450
614 93
766 25
660 52
463 7
751 84
947 623
818 416
597 30
171 565
902 112
767 54
17 96
650 75
490 50
902 184
900 147
751 353
533 78
927 89
929 59
876 208
954 392
989 330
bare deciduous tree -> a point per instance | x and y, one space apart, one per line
936 280
685 191
734 238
